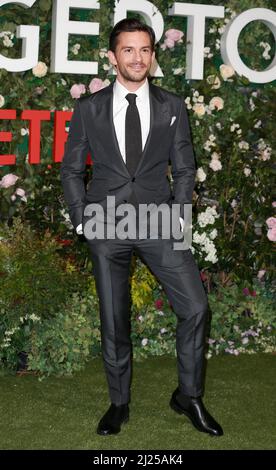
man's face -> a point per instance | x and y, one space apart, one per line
133 56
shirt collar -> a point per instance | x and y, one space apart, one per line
120 92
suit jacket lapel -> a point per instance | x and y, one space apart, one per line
159 112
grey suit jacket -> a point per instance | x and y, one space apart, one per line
92 131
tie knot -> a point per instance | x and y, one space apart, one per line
130 97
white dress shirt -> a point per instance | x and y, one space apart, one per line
120 105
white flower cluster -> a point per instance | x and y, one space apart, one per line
9 333
33 317
215 163
267 48
243 145
8 337
235 126
24 131
264 150
210 143
207 246
231 12
75 49
103 52
207 53
67 220
226 20
258 124
198 106
8 36
205 240
208 217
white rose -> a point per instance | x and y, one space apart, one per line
217 103
215 156
215 165
2 101
179 71
199 109
200 174
7 42
226 71
247 171
40 70
214 81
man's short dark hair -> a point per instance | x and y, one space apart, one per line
129 25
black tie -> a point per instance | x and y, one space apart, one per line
133 135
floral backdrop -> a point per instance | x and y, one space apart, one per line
233 129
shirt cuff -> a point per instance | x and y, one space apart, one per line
79 229
181 223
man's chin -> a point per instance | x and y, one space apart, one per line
137 77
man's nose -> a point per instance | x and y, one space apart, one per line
138 56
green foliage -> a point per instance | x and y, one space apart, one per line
240 190
61 345
40 274
242 322
35 283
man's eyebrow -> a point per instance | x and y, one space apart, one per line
131 47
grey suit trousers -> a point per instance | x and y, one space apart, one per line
178 274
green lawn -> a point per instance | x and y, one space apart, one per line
62 413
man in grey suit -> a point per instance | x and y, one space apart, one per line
134 130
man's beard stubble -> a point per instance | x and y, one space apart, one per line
132 78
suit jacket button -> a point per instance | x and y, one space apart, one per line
133 179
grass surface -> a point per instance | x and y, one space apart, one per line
62 413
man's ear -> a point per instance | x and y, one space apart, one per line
112 58
153 57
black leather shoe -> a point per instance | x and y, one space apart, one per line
112 419
195 410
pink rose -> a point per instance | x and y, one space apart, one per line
174 35
274 204
21 193
246 291
96 84
271 234
77 90
271 222
8 180
169 43
261 273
